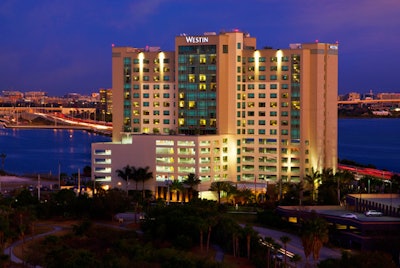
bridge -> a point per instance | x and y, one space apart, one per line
349 102
376 173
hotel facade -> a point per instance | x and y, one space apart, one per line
222 109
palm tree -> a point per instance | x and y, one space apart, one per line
243 196
220 186
248 232
276 247
313 180
136 177
126 174
314 233
191 181
269 243
285 240
144 175
344 179
176 187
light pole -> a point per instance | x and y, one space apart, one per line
168 183
390 182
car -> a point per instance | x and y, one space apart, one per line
372 212
349 215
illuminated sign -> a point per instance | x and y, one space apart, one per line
196 39
333 47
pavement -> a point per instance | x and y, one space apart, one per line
10 249
295 246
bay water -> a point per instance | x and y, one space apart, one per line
46 151
38 151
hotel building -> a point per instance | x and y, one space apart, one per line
222 109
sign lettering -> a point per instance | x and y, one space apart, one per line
196 39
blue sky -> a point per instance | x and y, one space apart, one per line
63 46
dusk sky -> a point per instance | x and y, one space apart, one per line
60 46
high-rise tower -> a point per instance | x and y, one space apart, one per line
222 109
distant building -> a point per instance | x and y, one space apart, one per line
105 98
12 96
352 96
388 96
368 96
36 96
222 109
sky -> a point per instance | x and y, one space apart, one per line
60 46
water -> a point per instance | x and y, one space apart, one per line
371 141
43 151
366 141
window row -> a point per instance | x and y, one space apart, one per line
251 131
147 61
147 87
155 95
155 69
261 96
262 68
155 78
244 105
155 121
263 59
154 112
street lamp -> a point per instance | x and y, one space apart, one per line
168 183
390 192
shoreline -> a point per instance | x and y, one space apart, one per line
107 133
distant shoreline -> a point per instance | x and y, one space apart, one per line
73 127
